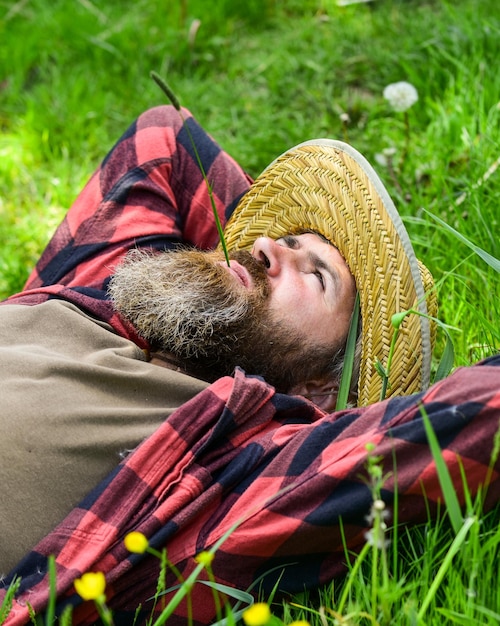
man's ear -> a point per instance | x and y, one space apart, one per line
322 392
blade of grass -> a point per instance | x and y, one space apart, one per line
188 583
237 594
175 102
350 580
449 493
454 548
51 607
345 380
6 605
447 359
487 258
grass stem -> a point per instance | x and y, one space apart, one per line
175 102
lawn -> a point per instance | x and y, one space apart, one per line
261 76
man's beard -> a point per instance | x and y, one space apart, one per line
185 303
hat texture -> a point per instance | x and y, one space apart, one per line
326 186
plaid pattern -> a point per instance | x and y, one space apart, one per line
238 452
149 192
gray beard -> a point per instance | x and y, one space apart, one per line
184 303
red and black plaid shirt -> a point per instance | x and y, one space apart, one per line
149 192
238 452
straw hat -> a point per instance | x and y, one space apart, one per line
328 187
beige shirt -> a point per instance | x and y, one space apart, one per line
74 398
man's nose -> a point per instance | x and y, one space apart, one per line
272 255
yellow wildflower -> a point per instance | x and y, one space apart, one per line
258 614
136 542
204 558
91 585
300 622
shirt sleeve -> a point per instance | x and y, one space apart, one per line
149 192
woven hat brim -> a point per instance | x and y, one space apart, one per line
328 187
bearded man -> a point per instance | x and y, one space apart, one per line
133 314
130 338
208 317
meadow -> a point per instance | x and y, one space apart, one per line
261 76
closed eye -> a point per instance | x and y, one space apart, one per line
321 279
292 242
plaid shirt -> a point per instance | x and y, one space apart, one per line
149 192
284 470
276 465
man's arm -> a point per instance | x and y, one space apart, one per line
148 192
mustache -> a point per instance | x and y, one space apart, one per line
255 268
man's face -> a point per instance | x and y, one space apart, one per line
312 290
280 311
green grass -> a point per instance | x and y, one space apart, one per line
261 76
432 581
